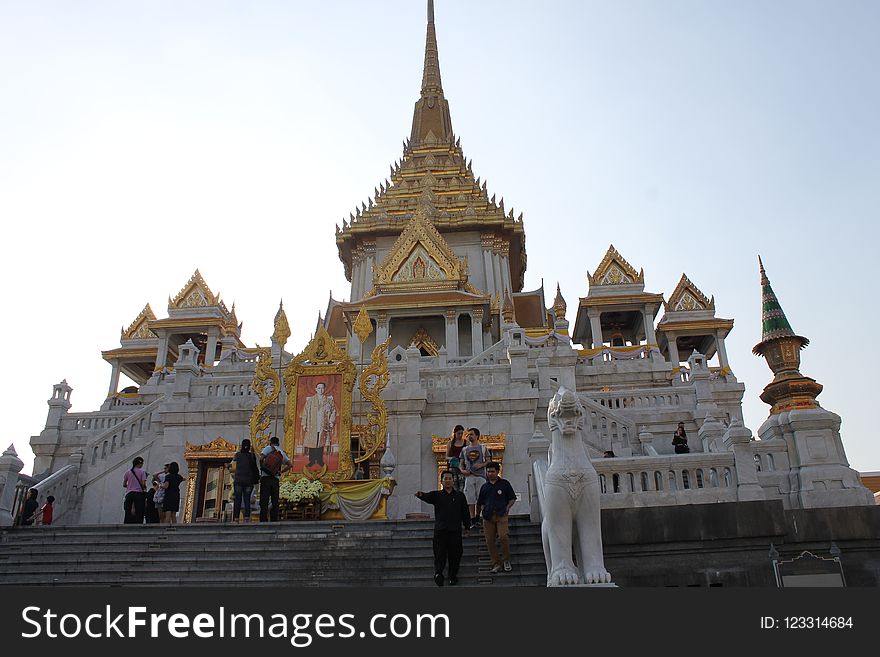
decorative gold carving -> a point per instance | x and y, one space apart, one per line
195 293
420 255
362 325
138 329
688 296
422 340
282 328
615 270
496 445
190 496
219 448
267 385
321 356
374 378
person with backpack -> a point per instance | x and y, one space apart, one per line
273 461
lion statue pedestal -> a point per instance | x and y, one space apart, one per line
571 500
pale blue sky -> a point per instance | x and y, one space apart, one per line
141 140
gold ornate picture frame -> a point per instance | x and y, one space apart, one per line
322 361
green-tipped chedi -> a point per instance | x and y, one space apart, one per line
781 347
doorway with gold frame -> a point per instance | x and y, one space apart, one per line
209 482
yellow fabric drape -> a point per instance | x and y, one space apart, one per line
354 492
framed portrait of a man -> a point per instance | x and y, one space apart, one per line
316 442
317 415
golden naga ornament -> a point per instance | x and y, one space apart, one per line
374 378
362 325
267 385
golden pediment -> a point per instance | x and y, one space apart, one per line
217 448
195 294
138 330
615 270
420 258
688 296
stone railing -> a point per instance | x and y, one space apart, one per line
440 380
635 400
105 445
667 480
611 428
495 354
98 420
62 485
230 389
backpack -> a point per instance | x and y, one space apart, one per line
272 462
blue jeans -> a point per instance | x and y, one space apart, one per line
241 492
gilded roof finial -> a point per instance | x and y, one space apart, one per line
282 328
559 305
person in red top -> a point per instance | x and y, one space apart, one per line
47 510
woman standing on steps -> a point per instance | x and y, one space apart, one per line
246 476
171 503
453 456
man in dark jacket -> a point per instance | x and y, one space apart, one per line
451 515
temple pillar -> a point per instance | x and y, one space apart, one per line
451 334
114 379
211 346
477 332
650 335
496 268
505 271
722 351
596 328
674 358
162 351
491 285
381 327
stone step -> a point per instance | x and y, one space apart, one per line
387 553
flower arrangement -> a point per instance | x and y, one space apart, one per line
303 490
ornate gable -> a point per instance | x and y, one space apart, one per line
688 296
138 330
195 294
422 340
615 270
420 259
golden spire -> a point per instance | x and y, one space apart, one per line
362 325
282 328
431 119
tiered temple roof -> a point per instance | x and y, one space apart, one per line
433 165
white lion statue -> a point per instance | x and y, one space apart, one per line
571 499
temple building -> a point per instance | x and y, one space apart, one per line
437 269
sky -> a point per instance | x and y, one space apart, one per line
142 140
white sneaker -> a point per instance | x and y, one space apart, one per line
495 569
507 567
